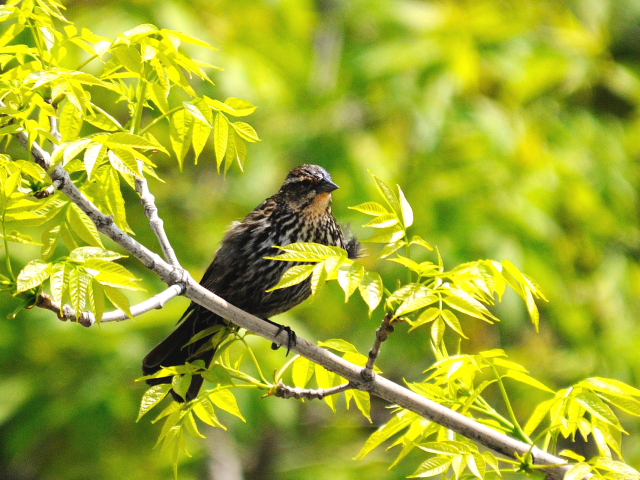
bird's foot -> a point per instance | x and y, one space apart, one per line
291 341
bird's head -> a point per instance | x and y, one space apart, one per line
308 188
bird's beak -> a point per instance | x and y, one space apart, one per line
326 186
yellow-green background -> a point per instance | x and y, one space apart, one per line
513 129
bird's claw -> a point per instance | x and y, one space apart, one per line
291 341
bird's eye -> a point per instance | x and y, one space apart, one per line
306 183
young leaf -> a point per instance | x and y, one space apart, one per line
151 398
293 276
32 275
371 208
388 195
205 412
118 299
453 322
220 138
432 467
302 371
83 226
112 274
371 290
405 209
224 399
246 131
349 278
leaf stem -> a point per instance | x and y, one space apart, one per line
518 431
156 120
6 249
87 61
36 39
255 360
141 95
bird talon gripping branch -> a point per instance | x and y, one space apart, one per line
240 273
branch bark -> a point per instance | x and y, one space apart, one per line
88 319
378 385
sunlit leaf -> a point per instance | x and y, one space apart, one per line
224 399
32 275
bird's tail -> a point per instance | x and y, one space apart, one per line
173 350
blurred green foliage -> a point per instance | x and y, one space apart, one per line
513 129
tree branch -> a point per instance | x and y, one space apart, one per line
378 386
285 391
88 319
155 222
382 334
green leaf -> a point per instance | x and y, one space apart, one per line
241 108
400 421
32 275
190 425
415 299
339 345
432 467
17 237
453 322
49 240
57 282
371 208
118 299
383 221
73 149
246 131
112 274
387 235
428 316
124 162
437 331
318 278
181 384
527 379
93 155
388 195
597 407
180 134
103 121
129 57
122 139
70 122
405 209
350 277
308 252
83 225
220 138
226 400
302 371
293 276
152 397
371 290
197 114
465 303
233 106
578 472
326 379
609 385
77 285
205 412
363 402
201 132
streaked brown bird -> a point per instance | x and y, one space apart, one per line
239 273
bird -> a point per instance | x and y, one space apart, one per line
239 273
